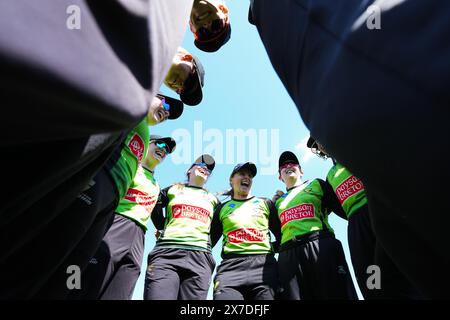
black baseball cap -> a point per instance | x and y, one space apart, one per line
192 93
215 43
170 142
246 165
206 159
176 106
314 146
311 142
287 157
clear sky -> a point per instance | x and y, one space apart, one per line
246 115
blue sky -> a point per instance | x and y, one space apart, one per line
246 114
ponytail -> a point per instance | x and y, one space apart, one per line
226 193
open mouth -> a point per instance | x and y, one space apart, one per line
159 154
203 171
245 184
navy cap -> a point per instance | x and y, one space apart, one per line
214 44
287 157
206 159
176 106
170 142
192 93
246 165
311 142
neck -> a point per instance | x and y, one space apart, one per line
149 167
196 182
294 182
241 196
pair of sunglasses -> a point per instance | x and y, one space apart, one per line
203 165
165 104
288 165
162 145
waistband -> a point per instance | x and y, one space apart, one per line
237 255
301 240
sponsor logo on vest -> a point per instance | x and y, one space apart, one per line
137 146
299 212
190 212
349 187
246 235
141 198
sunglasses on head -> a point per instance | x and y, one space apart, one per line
162 145
216 27
203 165
165 104
288 165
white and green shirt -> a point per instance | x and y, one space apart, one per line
132 151
349 189
304 209
188 214
141 197
245 226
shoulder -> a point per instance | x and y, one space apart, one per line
266 202
212 198
172 189
280 200
177 187
316 186
227 204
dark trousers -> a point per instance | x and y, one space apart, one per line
315 269
115 268
394 284
178 274
378 92
361 242
92 213
39 269
251 277
63 112
365 251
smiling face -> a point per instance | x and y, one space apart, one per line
156 112
290 171
155 155
241 182
208 17
179 71
198 174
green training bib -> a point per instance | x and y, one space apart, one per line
141 197
134 150
301 211
348 188
188 218
246 227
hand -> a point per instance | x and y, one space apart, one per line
158 234
277 195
